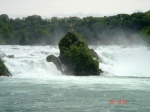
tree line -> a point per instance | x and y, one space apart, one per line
34 30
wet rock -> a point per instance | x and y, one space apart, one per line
100 71
56 61
95 55
10 56
3 69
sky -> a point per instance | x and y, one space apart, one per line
66 8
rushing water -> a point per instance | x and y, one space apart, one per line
36 85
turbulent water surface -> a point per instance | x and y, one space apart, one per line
36 85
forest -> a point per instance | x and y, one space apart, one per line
119 29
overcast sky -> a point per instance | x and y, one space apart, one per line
61 8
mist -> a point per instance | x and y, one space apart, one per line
57 36
120 38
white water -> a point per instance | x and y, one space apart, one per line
130 61
126 70
30 61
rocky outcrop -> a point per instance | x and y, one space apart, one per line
3 69
56 61
94 54
77 57
10 56
100 71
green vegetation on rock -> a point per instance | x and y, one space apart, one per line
75 54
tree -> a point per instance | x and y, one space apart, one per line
24 39
4 18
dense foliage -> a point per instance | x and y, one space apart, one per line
76 55
104 30
70 39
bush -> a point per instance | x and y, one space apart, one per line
76 55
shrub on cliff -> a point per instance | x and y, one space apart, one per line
75 54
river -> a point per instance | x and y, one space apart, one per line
36 85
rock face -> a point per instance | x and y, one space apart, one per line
94 54
55 60
3 70
10 56
77 57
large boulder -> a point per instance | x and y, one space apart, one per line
3 70
56 61
76 56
